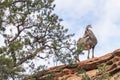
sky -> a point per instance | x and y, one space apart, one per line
103 15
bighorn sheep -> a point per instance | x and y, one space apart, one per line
87 42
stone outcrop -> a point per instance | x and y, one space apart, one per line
70 72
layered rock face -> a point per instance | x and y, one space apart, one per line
72 72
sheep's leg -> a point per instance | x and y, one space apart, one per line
88 53
77 57
93 52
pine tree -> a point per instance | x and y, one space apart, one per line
28 29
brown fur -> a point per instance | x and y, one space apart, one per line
89 41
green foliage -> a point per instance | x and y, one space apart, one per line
15 45
81 71
7 68
64 79
31 28
51 76
102 68
102 72
117 77
78 52
100 75
86 77
80 48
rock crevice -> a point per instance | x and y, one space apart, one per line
112 60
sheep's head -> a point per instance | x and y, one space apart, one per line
88 26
